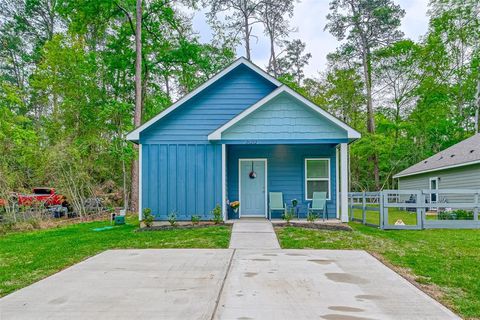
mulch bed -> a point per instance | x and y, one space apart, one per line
180 226
319 226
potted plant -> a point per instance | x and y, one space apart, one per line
235 205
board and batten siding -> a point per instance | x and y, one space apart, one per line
466 177
210 109
283 118
285 171
181 169
181 178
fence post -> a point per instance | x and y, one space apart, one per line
380 195
420 209
364 212
351 207
475 209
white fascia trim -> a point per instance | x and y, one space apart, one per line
436 169
135 134
217 134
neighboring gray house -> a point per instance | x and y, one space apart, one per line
457 167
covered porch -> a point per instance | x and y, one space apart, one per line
250 172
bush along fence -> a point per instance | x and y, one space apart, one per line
416 209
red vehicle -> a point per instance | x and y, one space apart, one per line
46 196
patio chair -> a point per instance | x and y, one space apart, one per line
275 203
319 203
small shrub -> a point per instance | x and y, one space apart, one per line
195 219
172 218
217 214
35 223
311 216
288 215
456 215
148 217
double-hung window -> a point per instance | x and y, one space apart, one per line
317 177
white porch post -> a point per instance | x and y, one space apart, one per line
337 184
344 181
224 182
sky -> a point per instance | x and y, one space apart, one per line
310 19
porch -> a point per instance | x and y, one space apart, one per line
250 172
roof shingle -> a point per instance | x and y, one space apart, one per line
462 153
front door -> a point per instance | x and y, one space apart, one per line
253 179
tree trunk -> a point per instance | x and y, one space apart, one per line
273 58
368 87
138 101
370 114
247 37
477 100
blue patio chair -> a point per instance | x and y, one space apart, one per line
275 203
319 203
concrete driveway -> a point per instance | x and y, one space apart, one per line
224 284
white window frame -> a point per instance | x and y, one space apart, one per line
318 179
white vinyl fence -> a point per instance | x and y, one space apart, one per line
416 209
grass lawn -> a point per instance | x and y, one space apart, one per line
394 214
30 256
446 260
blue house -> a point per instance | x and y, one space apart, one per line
239 136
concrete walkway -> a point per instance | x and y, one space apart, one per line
253 234
222 284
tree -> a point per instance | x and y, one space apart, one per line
397 75
137 118
366 25
455 25
274 16
294 60
240 17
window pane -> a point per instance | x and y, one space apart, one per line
317 169
317 186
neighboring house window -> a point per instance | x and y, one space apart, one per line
317 176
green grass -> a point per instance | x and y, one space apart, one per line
27 257
394 214
449 259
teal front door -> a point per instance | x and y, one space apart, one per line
253 193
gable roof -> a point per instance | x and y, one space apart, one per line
135 134
466 152
217 134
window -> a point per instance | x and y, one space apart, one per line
317 177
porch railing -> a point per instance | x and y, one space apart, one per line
416 209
